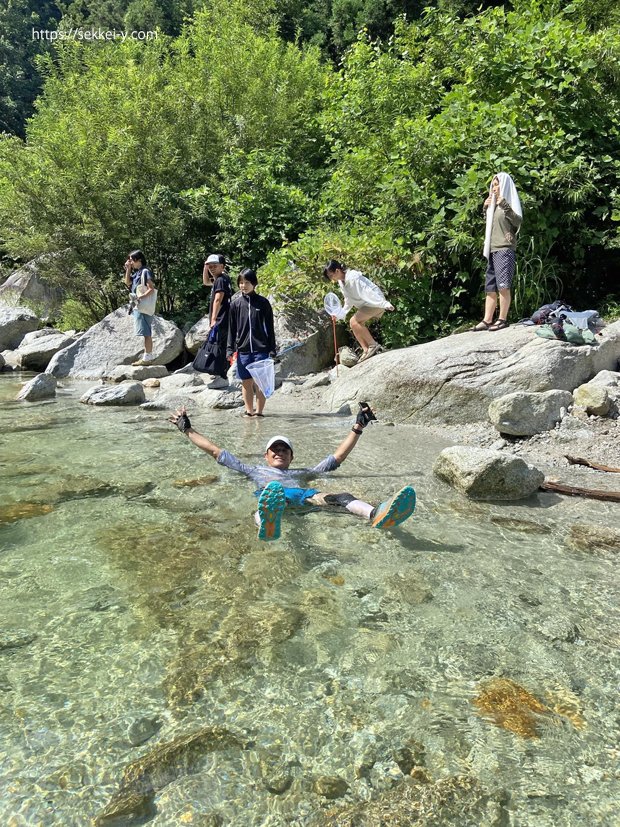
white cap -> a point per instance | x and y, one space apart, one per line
213 259
279 438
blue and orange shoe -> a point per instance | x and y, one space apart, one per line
395 511
270 509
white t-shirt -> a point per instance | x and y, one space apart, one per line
358 291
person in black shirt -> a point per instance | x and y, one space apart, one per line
251 334
214 275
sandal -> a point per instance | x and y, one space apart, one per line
481 326
500 324
248 413
257 414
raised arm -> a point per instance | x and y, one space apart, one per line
181 420
364 416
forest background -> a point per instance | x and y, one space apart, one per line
283 133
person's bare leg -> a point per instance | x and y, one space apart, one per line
348 501
504 304
260 400
148 344
362 334
247 392
490 303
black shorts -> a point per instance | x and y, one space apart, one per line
500 270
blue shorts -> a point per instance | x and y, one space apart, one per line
244 359
142 323
294 496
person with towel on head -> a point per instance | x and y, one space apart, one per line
503 221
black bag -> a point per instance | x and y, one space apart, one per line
211 358
543 314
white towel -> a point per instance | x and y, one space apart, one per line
508 191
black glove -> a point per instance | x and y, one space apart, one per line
365 415
183 423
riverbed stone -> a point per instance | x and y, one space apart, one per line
593 538
454 379
482 474
593 398
142 730
11 640
127 393
42 386
37 353
15 322
330 786
526 414
112 342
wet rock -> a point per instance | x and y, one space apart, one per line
530 600
510 706
409 587
158 768
195 482
454 800
42 386
275 773
560 628
5 683
330 786
524 526
12 512
12 640
411 754
127 809
143 730
593 538
526 414
125 394
487 475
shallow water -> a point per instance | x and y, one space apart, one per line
137 599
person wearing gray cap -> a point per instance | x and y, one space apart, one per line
214 276
280 485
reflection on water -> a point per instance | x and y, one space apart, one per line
158 663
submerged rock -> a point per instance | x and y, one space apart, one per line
12 512
414 802
10 641
595 538
510 706
143 730
524 526
131 393
158 768
330 786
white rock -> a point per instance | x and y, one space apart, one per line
42 386
137 373
483 474
15 322
526 414
37 353
113 342
127 393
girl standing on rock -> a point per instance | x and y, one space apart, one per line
503 220
252 335
138 275
362 293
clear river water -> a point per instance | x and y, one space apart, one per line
469 657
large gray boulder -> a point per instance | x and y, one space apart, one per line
295 325
128 393
27 286
113 342
483 474
42 386
196 335
601 395
138 373
36 353
15 322
453 380
526 414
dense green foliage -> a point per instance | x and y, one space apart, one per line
229 137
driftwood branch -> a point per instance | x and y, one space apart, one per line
588 464
575 491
